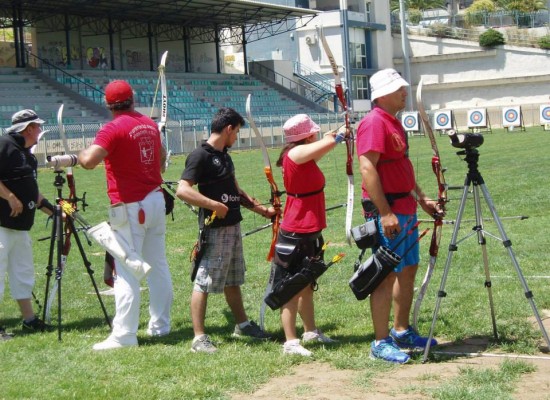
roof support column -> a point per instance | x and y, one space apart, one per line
217 41
150 40
68 40
245 61
16 37
19 36
186 48
111 44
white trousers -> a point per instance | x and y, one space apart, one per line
149 241
16 259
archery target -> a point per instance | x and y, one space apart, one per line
443 120
477 118
511 116
409 120
545 114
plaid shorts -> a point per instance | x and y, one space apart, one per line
223 262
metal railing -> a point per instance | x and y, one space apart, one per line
281 80
183 136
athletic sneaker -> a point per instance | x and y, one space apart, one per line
294 347
316 336
5 335
410 339
387 350
36 325
252 330
202 344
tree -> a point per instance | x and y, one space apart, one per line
521 5
480 6
419 4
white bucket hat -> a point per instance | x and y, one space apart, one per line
385 82
21 119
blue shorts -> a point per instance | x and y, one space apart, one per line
413 256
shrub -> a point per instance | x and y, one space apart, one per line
440 30
415 15
544 42
491 38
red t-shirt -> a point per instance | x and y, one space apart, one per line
132 166
382 133
303 214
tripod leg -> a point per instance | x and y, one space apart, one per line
59 266
89 270
508 245
483 243
452 248
49 269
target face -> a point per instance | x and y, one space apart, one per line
511 116
545 114
410 121
443 120
476 118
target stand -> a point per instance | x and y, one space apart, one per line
545 116
411 123
512 118
478 121
444 120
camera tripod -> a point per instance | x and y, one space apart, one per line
60 242
474 178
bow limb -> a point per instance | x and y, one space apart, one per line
275 199
63 136
441 202
164 106
349 138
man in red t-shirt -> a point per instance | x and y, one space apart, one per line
389 182
131 148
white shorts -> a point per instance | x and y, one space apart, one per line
16 259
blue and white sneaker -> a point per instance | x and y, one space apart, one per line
387 350
410 339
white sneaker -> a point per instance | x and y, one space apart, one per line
113 342
294 347
317 336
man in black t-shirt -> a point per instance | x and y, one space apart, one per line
19 199
222 267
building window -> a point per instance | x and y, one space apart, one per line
368 11
358 55
360 87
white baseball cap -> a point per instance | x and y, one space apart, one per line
385 82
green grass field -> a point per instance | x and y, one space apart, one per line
515 167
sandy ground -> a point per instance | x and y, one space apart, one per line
319 381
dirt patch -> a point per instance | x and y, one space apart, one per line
319 381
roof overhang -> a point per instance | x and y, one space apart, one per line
171 18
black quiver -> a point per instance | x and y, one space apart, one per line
290 285
373 271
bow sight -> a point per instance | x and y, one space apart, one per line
465 140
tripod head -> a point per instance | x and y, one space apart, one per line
59 181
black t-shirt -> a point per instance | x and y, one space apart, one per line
214 173
18 173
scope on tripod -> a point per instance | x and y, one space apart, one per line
66 160
465 140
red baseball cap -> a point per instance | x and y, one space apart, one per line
118 92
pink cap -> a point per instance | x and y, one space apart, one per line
300 127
